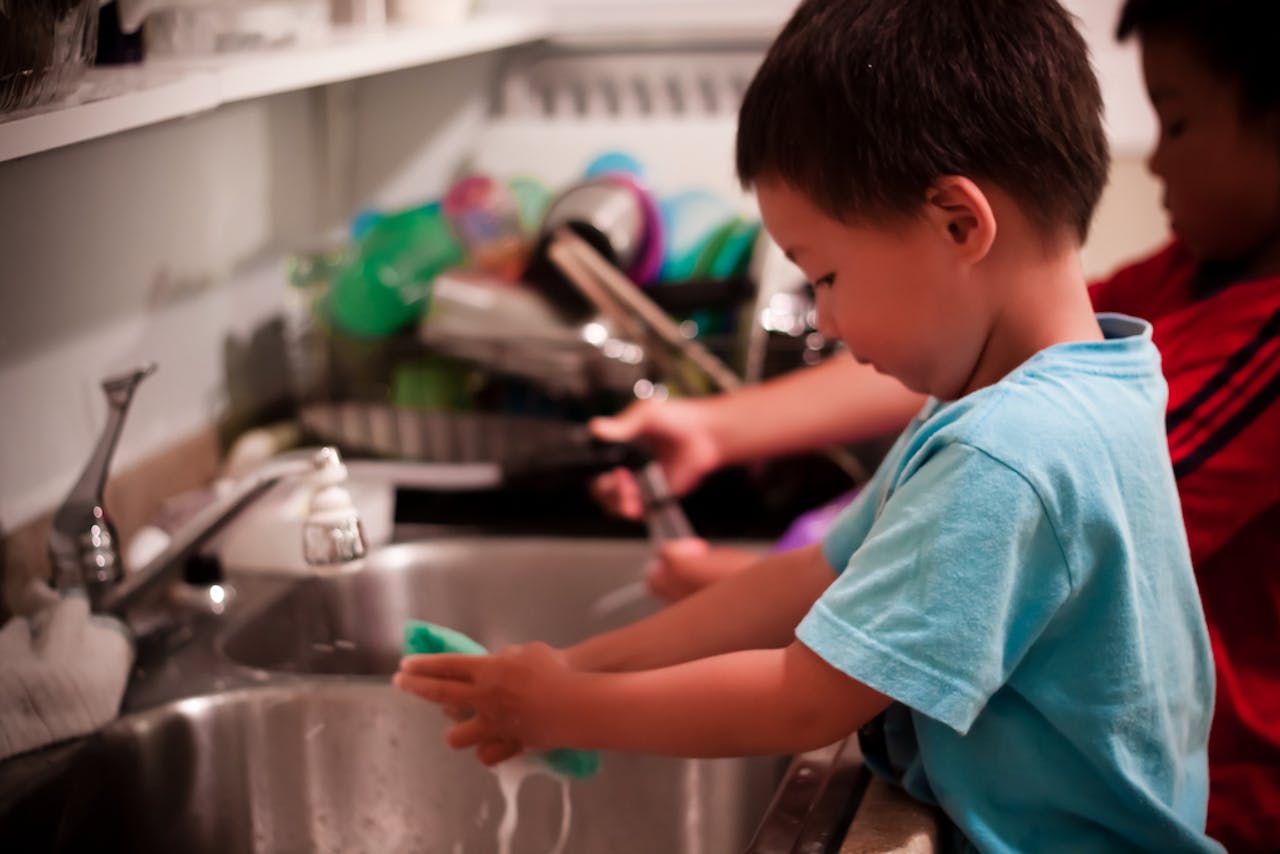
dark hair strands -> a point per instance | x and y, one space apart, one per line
862 104
1236 39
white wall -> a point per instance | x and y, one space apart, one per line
166 243
1129 221
1130 120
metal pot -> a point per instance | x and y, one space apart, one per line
613 209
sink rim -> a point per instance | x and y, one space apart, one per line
345 686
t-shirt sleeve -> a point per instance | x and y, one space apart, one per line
852 524
953 583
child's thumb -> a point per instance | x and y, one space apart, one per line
684 547
619 428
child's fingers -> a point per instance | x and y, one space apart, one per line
673 551
666 579
659 581
457 713
442 665
469 733
619 493
493 752
622 427
447 692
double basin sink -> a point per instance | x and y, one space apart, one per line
274 728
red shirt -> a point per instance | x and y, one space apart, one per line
1221 357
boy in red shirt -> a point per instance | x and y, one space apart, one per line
1213 297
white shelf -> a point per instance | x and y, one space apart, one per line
111 100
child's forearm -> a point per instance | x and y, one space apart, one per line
857 404
758 608
744 703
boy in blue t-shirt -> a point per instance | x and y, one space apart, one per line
1010 602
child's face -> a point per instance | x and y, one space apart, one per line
1221 172
893 295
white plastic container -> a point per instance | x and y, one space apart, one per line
360 13
429 13
180 29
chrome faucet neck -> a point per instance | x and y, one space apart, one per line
332 531
83 544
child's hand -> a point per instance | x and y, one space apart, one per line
679 432
685 566
619 493
513 696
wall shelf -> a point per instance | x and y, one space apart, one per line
116 99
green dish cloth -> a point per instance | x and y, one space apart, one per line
421 637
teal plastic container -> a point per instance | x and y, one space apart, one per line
386 285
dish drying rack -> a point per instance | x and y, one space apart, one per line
556 107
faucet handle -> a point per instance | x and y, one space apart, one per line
124 384
83 545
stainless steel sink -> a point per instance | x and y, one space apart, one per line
334 765
305 747
497 590
350 766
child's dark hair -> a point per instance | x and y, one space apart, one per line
1235 38
862 104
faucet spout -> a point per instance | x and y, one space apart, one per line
83 544
332 532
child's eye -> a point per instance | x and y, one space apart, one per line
1173 130
825 281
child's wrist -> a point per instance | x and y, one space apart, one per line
569 717
722 425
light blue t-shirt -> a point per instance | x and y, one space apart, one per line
1016 577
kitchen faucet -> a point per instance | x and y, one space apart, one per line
332 532
83 545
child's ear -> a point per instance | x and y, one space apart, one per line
962 215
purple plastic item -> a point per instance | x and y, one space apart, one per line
648 262
812 525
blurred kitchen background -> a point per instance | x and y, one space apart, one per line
237 206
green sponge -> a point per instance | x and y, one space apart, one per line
421 637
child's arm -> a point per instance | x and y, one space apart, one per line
742 703
757 608
682 567
842 401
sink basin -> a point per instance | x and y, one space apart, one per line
350 766
307 748
497 590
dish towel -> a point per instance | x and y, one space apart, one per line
63 670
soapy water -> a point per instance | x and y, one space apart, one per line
511 776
